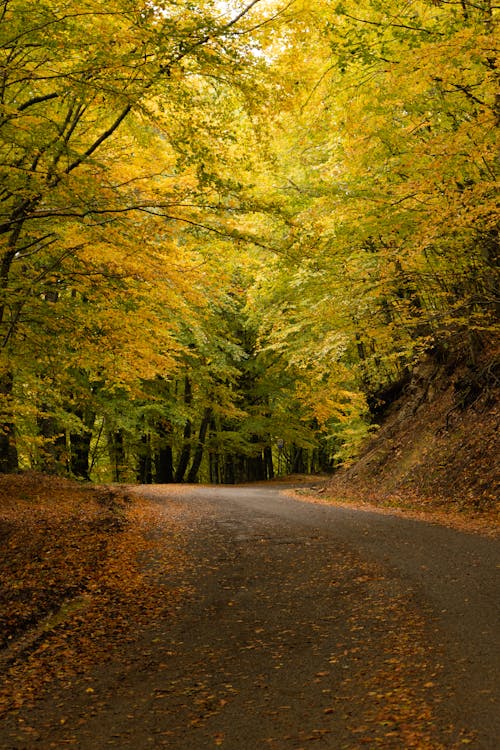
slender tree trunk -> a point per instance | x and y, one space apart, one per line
214 455
298 464
268 461
213 467
8 449
185 453
360 347
198 454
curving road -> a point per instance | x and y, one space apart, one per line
310 626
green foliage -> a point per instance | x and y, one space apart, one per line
217 231
392 245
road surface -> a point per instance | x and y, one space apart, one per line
303 625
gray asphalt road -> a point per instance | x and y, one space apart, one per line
305 626
452 576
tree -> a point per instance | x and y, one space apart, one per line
222 230
392 226
87 234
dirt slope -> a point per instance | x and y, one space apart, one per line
437 444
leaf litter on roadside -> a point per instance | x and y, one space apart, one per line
74 578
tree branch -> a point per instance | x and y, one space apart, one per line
103 137
38 100
394 25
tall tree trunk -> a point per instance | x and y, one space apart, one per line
164 458
268 462
185 453
228 476
214 455
80 447
145 463
53 457
80 452
239 468
198 454
116 449
298 463
255 466
8 449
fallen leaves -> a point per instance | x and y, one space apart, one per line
339 647
368 497
79 576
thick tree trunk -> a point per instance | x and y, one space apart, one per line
116 449
53 457
255 469
80 453
145 463
164 462
80 445
228 476
165 466
164 459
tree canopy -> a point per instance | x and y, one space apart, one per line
227 228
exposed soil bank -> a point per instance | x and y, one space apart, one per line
437 446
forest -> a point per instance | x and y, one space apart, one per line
230 229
